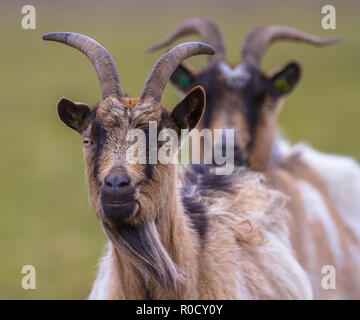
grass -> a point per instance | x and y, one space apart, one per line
45 216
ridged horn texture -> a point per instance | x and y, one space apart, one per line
261 37
99 57
166 66
207 30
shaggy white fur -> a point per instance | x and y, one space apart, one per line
342 175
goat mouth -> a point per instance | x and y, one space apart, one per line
117 203
118 211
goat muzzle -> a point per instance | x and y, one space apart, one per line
118 198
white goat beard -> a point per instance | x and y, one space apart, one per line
146 252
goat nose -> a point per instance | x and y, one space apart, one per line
116 182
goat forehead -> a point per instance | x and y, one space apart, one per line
235 77
112 114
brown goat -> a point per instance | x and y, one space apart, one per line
322 223
175 233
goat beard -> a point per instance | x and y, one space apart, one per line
143 246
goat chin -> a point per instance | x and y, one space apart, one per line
142 245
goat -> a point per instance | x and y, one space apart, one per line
324 220
175 233
242 91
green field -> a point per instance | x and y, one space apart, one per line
45 216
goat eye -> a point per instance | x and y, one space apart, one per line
86 141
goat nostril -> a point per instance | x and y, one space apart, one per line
108 183
123 182
117 181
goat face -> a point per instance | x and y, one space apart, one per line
240 97
122 191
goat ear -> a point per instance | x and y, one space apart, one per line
183 77
189 111
74 115
285 81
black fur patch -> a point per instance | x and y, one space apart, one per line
149 169
196 212
201 181
99 135
213 93
206 181
254 95
212 182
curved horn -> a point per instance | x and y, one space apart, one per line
167 64
208 31
99 57
260 38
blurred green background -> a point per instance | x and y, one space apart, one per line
45 216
